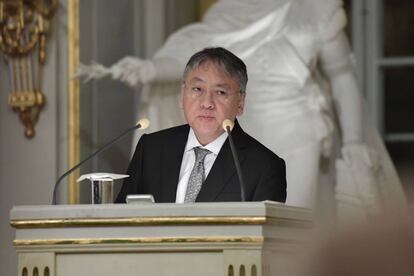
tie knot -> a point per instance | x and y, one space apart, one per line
200 154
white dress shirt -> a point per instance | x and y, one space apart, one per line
189 158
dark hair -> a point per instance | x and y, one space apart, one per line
224 59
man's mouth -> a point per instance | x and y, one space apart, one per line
206 117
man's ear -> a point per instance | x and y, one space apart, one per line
182 95
240 105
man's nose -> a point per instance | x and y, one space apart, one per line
207 100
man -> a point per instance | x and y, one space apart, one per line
193 163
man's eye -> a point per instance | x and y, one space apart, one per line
196 89
221 93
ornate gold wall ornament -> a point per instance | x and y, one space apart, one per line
24 25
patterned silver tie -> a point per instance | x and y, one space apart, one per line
197 175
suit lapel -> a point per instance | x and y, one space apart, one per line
171 158
223 168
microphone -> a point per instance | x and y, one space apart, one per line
142 124
228 126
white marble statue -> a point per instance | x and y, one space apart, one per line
301 87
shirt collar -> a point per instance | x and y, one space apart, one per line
214 146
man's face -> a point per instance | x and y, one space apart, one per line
208 97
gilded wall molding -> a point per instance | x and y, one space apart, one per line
73 99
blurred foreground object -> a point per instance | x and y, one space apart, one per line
382 247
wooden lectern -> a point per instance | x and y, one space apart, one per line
236 238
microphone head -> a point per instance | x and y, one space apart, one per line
143 123
227 124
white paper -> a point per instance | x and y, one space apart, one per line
101 176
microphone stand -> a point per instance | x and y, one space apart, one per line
140 124
236 161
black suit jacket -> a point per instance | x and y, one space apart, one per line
155 168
